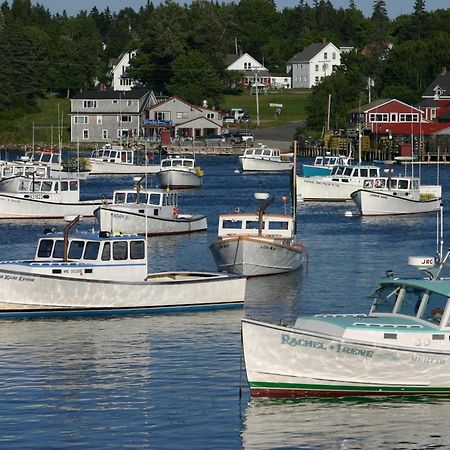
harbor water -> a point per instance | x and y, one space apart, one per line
177 381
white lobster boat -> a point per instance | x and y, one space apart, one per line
179 172
396 195
402 347
118 160
258 243
88 272
323 165
147 211
265 159
338 186
30 197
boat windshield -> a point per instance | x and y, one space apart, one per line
385 299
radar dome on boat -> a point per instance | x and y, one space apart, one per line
422 262
261 195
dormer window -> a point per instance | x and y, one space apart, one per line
438 92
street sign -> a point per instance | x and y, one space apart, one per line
276 105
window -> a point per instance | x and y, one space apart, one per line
106 253
85 133
408 117
210 115
393 117
105 134
232 224
58 250
125 118
317 67
91 251
137 250
45 248
325 55
46 186
80 119
89 103
252 224
317 79
279 225
76 249
162 115
129 102
120 250
379 117
325 67
73 185
333 55
99 120
114 102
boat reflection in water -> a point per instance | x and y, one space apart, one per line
261 292
375 423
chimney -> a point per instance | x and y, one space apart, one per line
443 70
324 40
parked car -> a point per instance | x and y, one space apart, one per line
215 139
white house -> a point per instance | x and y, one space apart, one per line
313 63
121 81
253 71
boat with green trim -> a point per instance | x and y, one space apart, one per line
402 347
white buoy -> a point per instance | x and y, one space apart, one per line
237 171
348 214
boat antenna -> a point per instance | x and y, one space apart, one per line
67 228
440 232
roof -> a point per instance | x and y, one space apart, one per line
231 58
443 81
309 52
135 94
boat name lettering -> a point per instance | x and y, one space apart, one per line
73 271
267 247
354 351
285 339
339 348
15 278
426 360
119 216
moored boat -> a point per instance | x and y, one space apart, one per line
30 197
119 160
265 159
396 195
401 347
260 243
338 186
179 172
147 211
89 272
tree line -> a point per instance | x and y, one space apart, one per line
182 49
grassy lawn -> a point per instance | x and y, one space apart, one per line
293 101
18 129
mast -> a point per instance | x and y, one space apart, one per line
294 189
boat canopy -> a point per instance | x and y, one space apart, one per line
149 197
273 225
422 299
102 248
356 171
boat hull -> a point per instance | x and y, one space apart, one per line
129 221
250 256
264 165
289 362
318 189
12 207
114 168
32 292
370 203
178 179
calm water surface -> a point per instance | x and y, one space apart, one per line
175 381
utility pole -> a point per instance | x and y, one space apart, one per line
257 98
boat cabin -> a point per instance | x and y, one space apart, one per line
329 161
179 163
400 184
356 171
24 170
154 197
278 226
102 256
114 154
427 300
65 190
264 152
43 157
